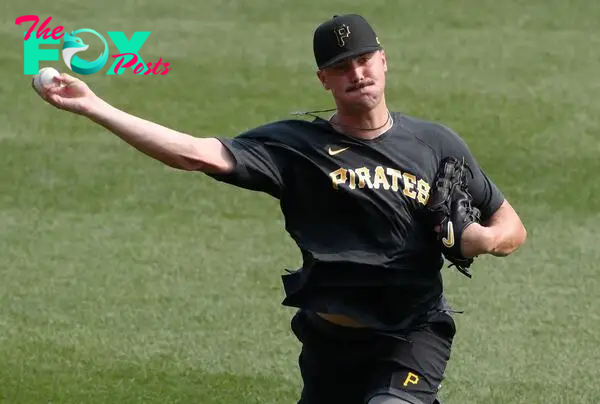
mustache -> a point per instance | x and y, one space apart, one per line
359 86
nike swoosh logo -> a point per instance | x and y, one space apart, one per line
334 152
449 242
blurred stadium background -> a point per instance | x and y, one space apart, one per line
123 281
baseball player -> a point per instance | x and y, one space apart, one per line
374 199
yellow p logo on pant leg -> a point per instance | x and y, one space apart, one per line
411 378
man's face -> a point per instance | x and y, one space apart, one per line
358 83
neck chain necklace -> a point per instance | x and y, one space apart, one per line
313 114
388 120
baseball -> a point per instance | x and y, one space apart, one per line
44 77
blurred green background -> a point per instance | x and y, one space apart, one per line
123 281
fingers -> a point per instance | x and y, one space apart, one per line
43 91
65 92
52 99
53 88
59 81
58 85
64 79
55 99
49 93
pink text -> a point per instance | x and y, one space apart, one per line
42 30
140 67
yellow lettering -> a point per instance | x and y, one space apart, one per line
395 174
409 184
364 177
411 378
352 179
338 177
380 179
383 178
423 192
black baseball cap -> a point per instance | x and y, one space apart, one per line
343 37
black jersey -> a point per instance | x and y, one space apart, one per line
355 208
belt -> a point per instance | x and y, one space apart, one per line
342 320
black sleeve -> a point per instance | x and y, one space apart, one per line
487 197
259 164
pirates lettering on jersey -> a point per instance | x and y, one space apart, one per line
382 178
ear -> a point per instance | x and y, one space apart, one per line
322 79
384 61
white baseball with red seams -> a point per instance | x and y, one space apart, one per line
44 77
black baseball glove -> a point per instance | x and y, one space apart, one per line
450 208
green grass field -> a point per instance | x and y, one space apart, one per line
123 281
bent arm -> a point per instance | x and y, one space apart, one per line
501 235
507 231
173 148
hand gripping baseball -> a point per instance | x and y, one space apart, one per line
68 93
